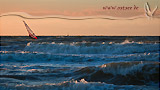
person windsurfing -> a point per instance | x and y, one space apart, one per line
30 32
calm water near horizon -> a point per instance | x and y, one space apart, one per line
79 63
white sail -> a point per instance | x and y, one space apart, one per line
30 32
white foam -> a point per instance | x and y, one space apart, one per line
82 48
81 85
122 69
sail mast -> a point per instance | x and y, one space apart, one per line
30 32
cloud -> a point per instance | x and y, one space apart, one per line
92 12
88 12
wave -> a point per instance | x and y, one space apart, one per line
122 73
19 77
91 48
75 85
81 51
76 58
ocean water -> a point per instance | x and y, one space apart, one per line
79 63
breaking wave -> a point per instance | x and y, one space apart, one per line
81 85
79 62
122 73
91 48
81 51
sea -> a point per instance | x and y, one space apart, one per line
79 63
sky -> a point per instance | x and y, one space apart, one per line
73 7
13 25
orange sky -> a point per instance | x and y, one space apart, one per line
13 25
75 7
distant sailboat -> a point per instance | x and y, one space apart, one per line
30 32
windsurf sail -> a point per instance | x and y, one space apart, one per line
30 32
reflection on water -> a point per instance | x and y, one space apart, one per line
89 62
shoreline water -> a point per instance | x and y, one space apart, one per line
75 62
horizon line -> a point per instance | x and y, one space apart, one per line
81 35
